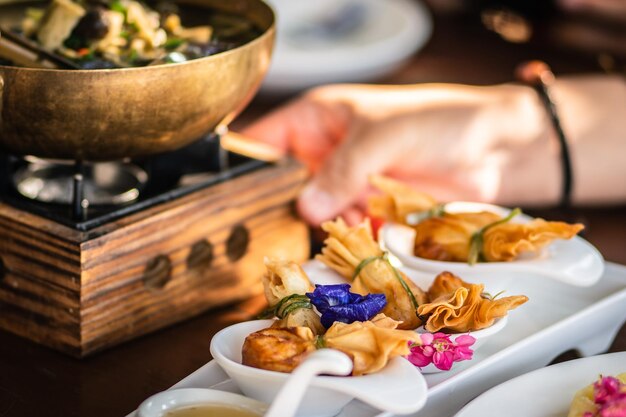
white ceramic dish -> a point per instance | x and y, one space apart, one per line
546 392
387 33
481 337
573 261
558 318
398 388
164 402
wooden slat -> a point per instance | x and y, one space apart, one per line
35 289
152 310
136 247
40 329
129 267
122 300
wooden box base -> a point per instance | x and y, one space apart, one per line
80 292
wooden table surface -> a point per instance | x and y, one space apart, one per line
35 381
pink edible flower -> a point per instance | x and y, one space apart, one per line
439 350
605 389
609 397
614 408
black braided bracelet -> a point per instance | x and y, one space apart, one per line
538 75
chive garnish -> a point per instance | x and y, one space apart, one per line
286 306
476 241
385 258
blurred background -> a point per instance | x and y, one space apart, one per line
461 41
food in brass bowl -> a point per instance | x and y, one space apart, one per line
112 114
129 33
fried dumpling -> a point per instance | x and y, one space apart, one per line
353 251
278 349
450 237
285 285
370 344
397 201
283 278
461 307
447 238
507 241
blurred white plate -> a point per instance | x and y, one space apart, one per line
547 392
371 38
573 261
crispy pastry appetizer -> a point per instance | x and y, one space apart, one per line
459 306
448 238
472 237
354 254
397 201
462 237
370 345
285 285
278 349
507 241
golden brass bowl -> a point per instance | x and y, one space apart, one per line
113 114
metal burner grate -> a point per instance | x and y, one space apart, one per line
170 176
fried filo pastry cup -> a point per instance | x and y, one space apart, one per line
449 237
397 201
462 307
444 236
282 281
354 254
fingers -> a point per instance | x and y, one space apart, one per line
308 128
276 128
342 179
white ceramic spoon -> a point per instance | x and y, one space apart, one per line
324 361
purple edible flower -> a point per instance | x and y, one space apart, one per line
337 303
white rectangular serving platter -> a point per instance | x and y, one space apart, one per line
558 317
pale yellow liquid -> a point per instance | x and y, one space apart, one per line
213 410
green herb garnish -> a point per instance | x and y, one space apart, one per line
320 343
173 43
117 6
436 211
287 306
385 258
488 296
477 239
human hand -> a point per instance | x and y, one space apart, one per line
454 142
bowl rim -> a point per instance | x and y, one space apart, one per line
498 324
198 396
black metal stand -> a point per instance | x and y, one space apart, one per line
79 202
